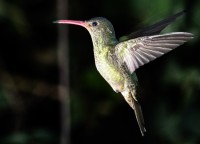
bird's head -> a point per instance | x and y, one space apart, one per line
99 28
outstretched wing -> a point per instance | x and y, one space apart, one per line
137 52
153 29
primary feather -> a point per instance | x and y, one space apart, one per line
153 29
137 52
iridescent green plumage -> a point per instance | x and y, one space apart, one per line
117 61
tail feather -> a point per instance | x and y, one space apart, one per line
139 116
137 109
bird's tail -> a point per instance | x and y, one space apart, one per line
139 116
134 104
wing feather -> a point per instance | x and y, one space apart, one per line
153 29
137 52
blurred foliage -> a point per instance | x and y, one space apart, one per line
30 106
36 137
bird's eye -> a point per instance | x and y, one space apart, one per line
94 23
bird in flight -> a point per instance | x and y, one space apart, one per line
117 60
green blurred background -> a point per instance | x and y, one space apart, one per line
31 108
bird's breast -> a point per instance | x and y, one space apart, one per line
107 65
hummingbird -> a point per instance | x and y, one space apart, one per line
116 60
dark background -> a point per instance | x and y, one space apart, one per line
30 105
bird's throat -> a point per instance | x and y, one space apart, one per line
101 42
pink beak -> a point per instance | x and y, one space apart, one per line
73 22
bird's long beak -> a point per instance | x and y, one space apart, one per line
73 22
